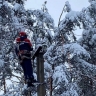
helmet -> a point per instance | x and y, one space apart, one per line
22 34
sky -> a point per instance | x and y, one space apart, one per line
55 8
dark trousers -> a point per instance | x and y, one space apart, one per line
27 68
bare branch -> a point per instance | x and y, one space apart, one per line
61 15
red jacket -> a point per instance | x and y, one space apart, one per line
18 40
23 45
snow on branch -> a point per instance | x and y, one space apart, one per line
85 68
43 17
76 49
60 74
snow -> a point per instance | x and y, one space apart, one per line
70 92
94 37
86 68
47 66
72 15
43 17
60 75
16 6
1 63
6 3
76 49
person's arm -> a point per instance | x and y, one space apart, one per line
31 49
30 44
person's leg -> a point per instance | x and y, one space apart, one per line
28 72
24 70
29 69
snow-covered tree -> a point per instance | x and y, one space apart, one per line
88 40
76 75
9 27
70 67
13 19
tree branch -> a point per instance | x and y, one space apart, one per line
60 16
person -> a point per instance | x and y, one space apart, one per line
23 51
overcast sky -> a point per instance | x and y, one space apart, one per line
55 8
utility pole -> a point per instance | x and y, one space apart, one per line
40 74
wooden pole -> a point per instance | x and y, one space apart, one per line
51 87
51 81
40 74
4 86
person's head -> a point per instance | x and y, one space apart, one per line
22 35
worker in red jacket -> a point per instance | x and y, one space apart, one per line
23 51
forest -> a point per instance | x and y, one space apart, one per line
69 63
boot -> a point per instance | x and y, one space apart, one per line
29 83
34 81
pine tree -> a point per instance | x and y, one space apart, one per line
8 30
70 67
14 18
88 42
78 77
